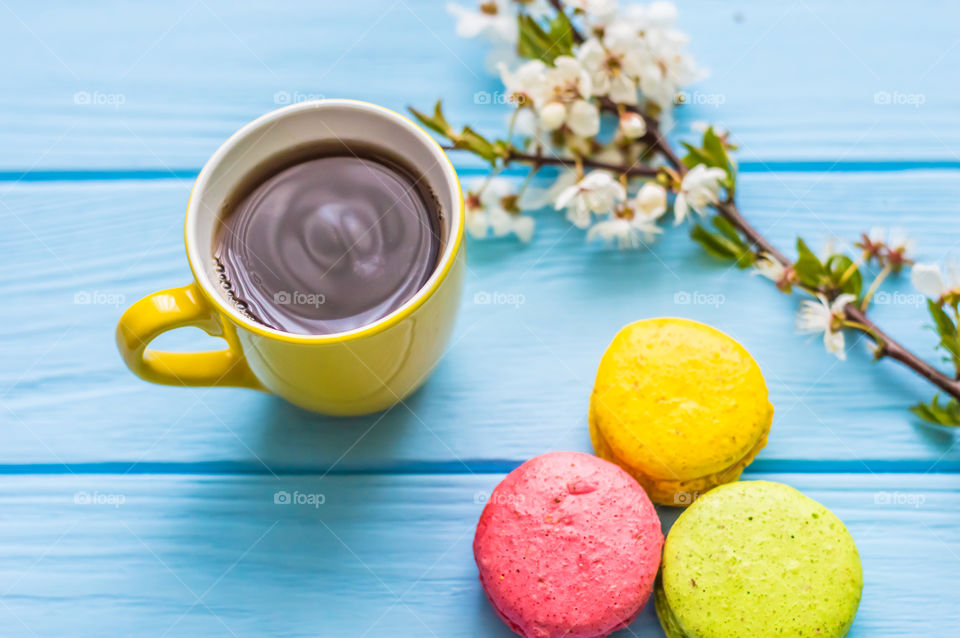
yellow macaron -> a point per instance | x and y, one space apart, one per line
679 405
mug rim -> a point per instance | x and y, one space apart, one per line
449 255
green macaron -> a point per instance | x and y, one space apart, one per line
758 559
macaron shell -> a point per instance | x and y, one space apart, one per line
758 558
568 545
667 621
676 401
665 491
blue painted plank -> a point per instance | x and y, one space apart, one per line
382 555
517 378
159 85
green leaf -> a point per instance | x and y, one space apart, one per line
561 34
746 256
713 148
694 156
470 140
728 229
947 331
933 412
733 171
713 243
803 251
437 122
951 346
722 246
535 43
837 266
713 153
945 326
808 268
531 38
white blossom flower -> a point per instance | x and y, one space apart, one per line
486 213
536 197
634 222
495 19
477 222
656 15
526 125
525 84
826 317
633 125
896 240
553 115
651 201
598 10
666 66
877 234
833 245
564 100
770 268
700 188
597 193
775 271
614 65
567 80
896 247
933 282
504 223
628 233
581 117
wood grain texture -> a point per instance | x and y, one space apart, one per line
518 374
160 84
382 555
182 536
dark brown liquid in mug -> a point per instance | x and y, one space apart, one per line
327 240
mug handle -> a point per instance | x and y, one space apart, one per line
175 308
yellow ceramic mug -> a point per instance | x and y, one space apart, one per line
347 373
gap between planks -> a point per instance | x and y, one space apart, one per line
773 166
452 467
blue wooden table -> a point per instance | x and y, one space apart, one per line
133 509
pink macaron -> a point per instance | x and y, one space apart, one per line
568 546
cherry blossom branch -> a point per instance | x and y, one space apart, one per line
887 346
632 66
539 159
732 214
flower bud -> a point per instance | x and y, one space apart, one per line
552 116
651 200
633 125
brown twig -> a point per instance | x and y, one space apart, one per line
636 170
887 346
731 213
654 136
